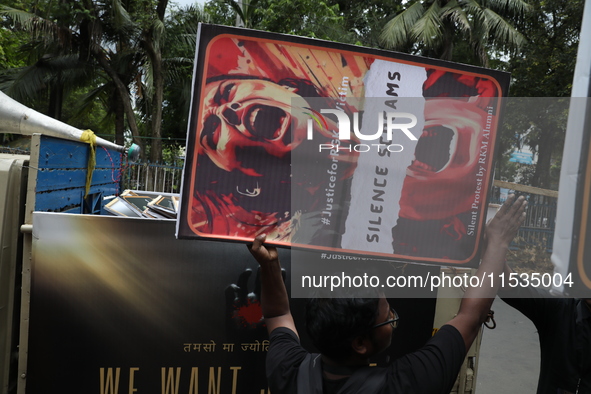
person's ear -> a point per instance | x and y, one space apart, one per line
361 345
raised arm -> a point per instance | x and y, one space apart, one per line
477 301
274 298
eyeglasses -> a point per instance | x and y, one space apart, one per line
393 321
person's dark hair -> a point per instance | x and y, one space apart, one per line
332 323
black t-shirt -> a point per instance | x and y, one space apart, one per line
431 369
564 329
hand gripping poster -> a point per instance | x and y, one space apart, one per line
329 146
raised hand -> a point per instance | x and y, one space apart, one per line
501 230
263 254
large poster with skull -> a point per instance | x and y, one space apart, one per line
282 140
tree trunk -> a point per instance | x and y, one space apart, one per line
123 93
156 101
154 51
56 98
546 142
119 120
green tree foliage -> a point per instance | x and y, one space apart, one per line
247 13
113 48
179 54
354 22
220 13
308 18
544 67
434 28
364 20
303 18
10 58
9 48
71 47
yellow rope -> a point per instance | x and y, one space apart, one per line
89 137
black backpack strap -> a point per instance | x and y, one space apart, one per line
310 375
368 380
